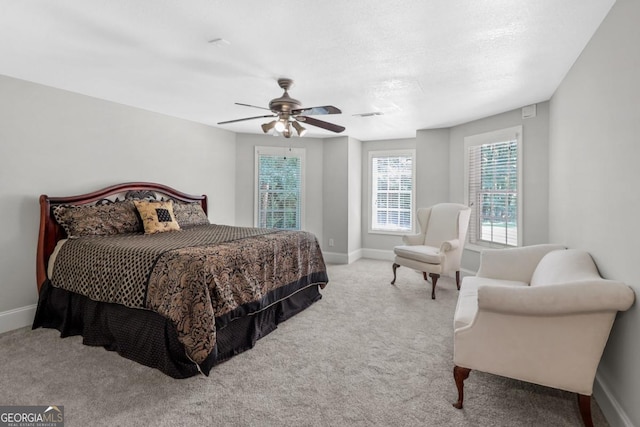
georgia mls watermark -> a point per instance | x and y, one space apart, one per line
31 416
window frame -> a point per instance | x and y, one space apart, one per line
299 152
495 137
370 199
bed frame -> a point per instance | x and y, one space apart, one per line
51 232
144 335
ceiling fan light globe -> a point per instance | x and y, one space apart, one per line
280 126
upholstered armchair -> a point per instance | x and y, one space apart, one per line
437 249
540 314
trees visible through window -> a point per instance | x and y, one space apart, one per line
392 190
279 189
493 187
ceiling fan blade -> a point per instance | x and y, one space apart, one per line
247 118
252 106
312 111
321 124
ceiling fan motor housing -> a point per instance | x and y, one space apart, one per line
285 103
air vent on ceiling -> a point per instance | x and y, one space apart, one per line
219 42
372 113
529 111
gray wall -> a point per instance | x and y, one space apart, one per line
432 167
245 179
535 134
355 196
342 190
60 143
594 177
335 194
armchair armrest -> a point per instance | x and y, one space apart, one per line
413 239
561 299
515 264
449 245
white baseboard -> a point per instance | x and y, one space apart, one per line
342 258
384 255
613 412
466 272
335 258
355 255
17 318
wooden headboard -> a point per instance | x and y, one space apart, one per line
51 232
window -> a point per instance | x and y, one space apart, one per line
494 187
391 178
279 192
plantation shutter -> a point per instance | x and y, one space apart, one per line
279 191
493 192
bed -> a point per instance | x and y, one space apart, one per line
138 269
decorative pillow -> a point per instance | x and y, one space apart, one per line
98 220
157 217
189 214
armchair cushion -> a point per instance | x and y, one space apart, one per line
420 253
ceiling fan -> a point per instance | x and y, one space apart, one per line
288 112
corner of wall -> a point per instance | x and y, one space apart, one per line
612 410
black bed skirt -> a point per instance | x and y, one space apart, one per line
150 339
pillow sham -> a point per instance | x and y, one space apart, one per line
189 214
157 217
98 220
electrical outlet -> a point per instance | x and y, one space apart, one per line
330 242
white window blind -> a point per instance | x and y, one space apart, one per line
392 192
279 188
494 188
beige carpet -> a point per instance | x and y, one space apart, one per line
367 354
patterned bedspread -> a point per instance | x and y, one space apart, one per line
193 276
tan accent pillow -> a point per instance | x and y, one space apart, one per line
157 217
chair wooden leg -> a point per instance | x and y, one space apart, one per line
395 266
459 375
434 279
458 279
584 402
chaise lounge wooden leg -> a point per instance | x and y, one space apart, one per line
459 375
584 402
434 279
458 279
395 266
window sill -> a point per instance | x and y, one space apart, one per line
391 233
479 248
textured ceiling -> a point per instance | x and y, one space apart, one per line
423 64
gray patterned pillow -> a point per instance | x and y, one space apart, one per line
189 214
98 220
